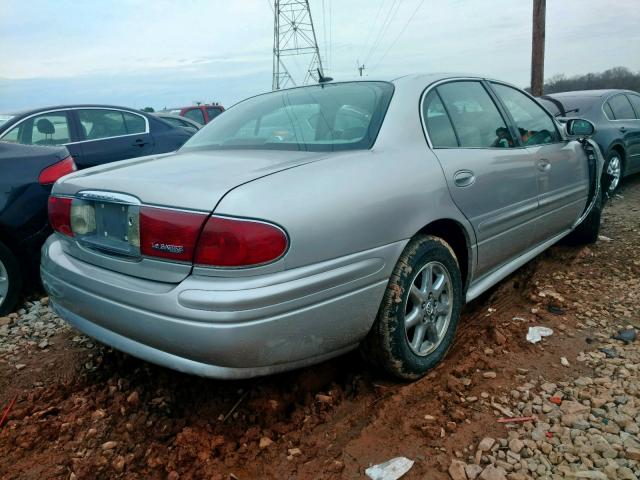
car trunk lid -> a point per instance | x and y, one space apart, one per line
108 201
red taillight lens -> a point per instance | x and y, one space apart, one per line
60 215
50 174
169 234
233 242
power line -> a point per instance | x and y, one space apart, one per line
385 26
373 26
399 34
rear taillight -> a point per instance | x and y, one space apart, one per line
234 242
60 215
169 234
52 173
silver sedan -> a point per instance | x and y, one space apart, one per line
308 222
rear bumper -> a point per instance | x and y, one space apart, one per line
224 327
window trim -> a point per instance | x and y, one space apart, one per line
559 135
629 95
624 94
490 93
55 110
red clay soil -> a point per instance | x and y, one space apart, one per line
124 418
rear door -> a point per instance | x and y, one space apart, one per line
562 169
632 136
109 135
491 180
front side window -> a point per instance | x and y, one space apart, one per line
475 118
535 126
621 107
635 101
44 129
196 115
437 122
330 117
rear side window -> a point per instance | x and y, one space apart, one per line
437 122
134 123
621 107
535 126
635 101
98 123
475 118
196 115
213 113
608 111
44 129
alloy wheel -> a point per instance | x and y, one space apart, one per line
614 170
4 283
429 308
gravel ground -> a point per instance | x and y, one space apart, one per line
83 411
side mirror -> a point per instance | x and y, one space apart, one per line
579 127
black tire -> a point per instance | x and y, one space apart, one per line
10 269
610 183
587 232
387 345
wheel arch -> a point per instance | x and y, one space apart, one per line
454 233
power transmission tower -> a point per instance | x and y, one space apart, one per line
537 48
293 34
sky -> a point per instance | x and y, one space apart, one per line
169 53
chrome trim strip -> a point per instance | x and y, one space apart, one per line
146 122
490 279
110 197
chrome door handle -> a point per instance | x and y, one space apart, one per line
544 165
464 178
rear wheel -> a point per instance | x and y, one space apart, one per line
612 172
419 314
10 280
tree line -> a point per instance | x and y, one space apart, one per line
618 77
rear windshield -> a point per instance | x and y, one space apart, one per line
574 106
5 118
330 117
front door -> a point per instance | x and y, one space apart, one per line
109 135
562 168
491 181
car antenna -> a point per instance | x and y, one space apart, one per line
322 78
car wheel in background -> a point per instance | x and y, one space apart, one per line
420 310
612 172
10 280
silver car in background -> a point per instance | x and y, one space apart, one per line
308 222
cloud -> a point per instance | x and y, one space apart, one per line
158 52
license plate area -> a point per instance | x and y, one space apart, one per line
109 225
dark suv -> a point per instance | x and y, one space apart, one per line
616 115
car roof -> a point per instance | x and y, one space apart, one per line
588 93
30 111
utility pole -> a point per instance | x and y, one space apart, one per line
360 68
537 47
294 35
